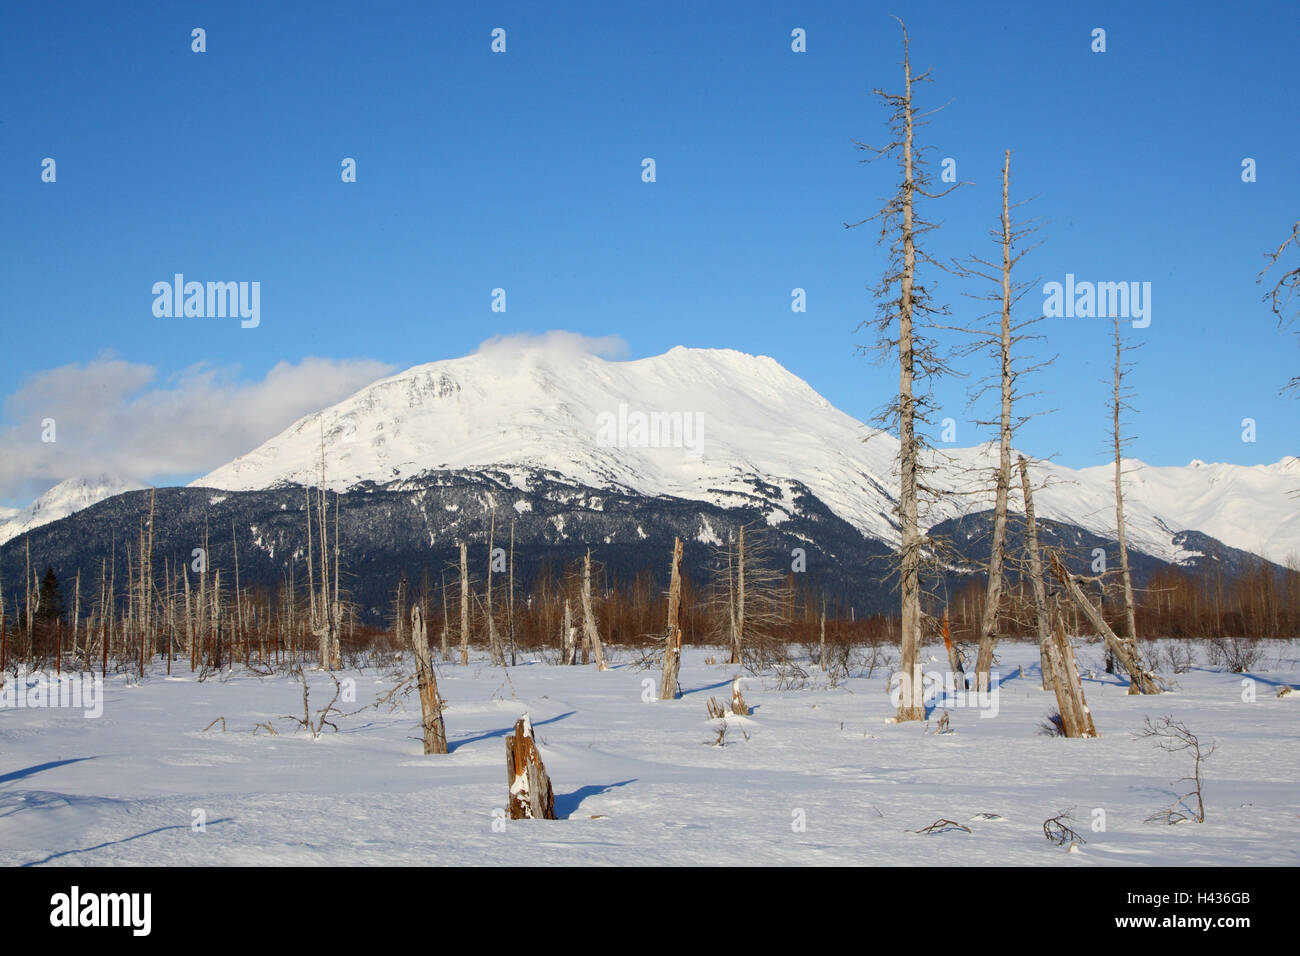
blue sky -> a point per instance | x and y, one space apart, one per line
522 170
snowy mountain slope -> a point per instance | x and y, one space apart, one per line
65 498
744 418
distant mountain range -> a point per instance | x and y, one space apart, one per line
621 456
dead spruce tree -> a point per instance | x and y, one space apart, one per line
464 603
1003 340
324 622
493 638
905 306
1034 560
1118 395
747 603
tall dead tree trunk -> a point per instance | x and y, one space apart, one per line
435 733
446 620
589 618
821 660
336 609
569 637
464 604
904 306
738 632
494 639
673 632
27 586
76 613
1036 575
510 600
993 594
1126 581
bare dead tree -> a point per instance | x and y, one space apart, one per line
1119 393
905 305
510 599
464 604
494 639
745 602
1003 340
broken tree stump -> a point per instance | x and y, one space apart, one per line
435 733
530 797
1126 654
591 634
1076 719
738 705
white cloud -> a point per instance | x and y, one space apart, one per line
113 416
605 346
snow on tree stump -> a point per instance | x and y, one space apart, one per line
738 705
531 797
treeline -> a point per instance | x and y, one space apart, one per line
207 620
1260 601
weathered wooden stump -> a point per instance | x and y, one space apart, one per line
673 633
435 733
531 797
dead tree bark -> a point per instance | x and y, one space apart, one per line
1036 575
738 614
1139 676
905 304
435 733
510 602
446 621
993 594
955 663
530 796
494 640
464 604
1126 581
673 633
569 637
821 660
1076 718
589 618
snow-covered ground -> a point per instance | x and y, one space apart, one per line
642 781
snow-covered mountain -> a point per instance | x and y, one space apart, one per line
63 499
735 423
